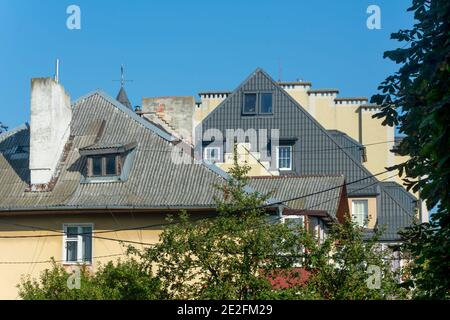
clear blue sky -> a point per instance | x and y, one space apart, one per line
183 47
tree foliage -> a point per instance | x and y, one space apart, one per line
349 266
417 99
235 254
125 280
222 257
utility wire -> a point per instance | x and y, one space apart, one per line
254 157
168 223
58 261
296 151
325 190
48 261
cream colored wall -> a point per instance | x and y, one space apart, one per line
42 249
371 206
300 93
379 140
347 119
322 108
208 104
261 168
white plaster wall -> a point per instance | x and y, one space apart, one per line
50 118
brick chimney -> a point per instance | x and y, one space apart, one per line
51 114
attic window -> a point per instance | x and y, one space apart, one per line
249 103
266 103
108 162
104 166
257 103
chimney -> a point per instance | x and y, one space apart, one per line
51 114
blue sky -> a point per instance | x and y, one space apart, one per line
183 47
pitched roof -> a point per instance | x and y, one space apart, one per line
356 149
154 181
122 97
321 153
398 210
298 187
319 150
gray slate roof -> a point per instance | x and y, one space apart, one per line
398 208
319 151
352 146
122 97
154 181
290 187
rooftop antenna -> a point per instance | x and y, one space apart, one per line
122 77
57 71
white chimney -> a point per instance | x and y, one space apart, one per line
51 114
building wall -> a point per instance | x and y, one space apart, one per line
257 166
209 102
43 249
372 209
314 150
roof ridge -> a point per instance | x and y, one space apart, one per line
7 134
149 125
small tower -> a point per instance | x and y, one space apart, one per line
122 96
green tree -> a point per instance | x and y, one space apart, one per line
125 280
416 99
346 265
221 257
233 255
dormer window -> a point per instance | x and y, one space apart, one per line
103 166
266 103
257 103
108 162
249 103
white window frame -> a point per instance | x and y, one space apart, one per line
278 155
299 263
205 154
366 214
79 244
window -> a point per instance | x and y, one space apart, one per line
77 244
212 154
266 103
249 103
284 157
110 165
105 165
360 212
294 221
96 166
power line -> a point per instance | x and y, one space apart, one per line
250 153
153 244
297 151
60 233
326 190
58 261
